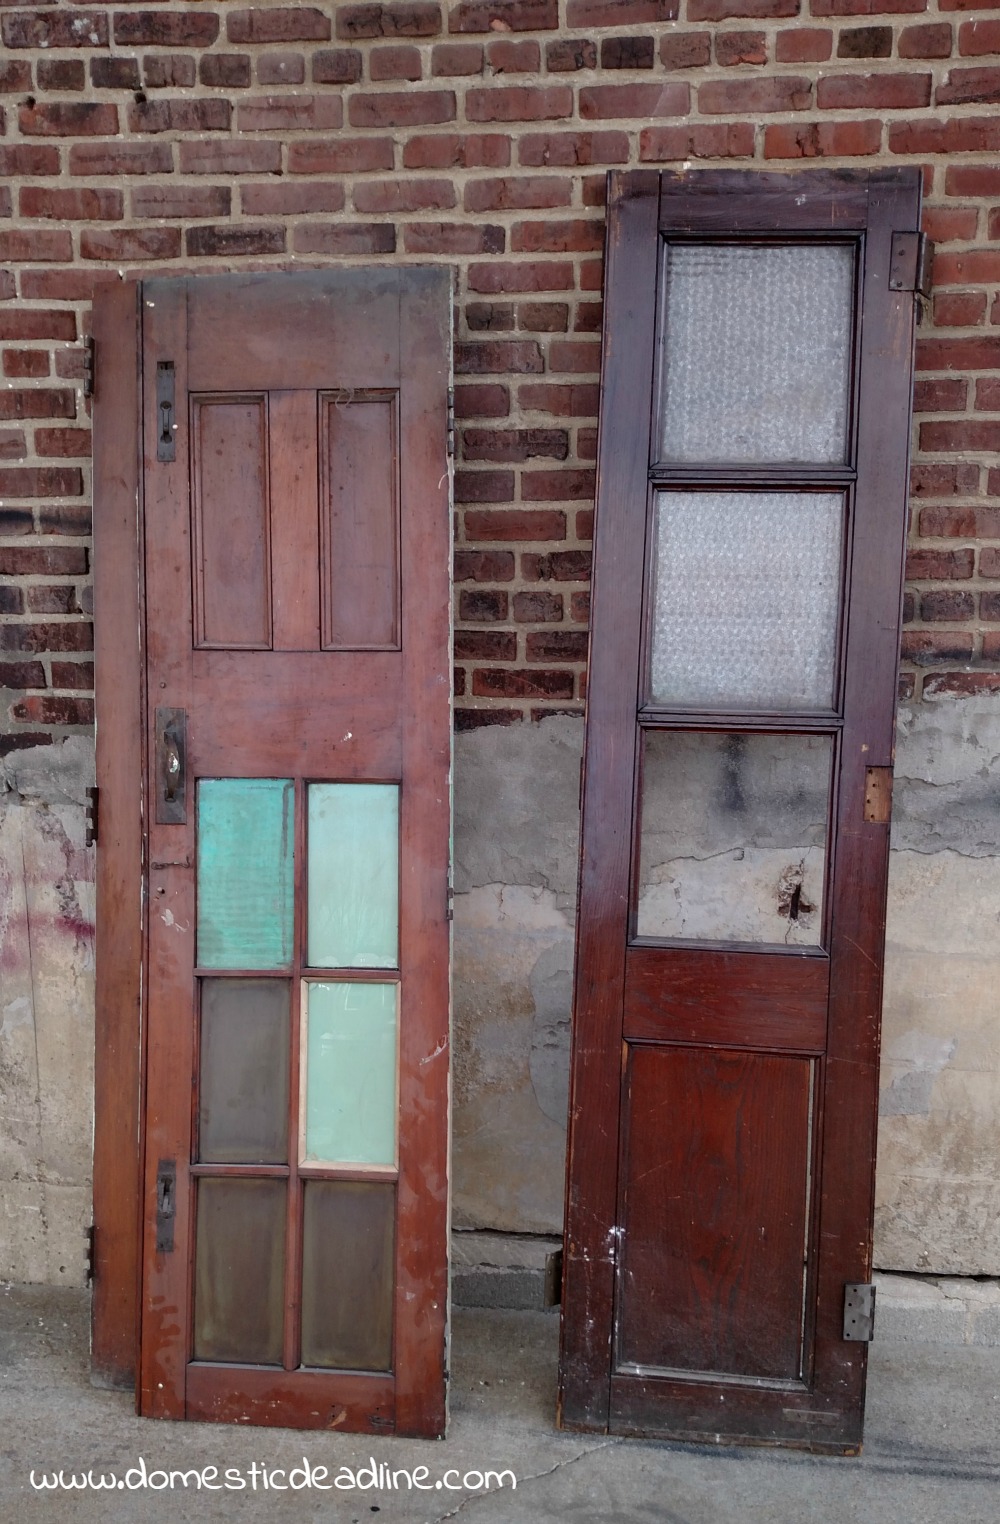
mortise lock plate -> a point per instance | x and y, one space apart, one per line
171 766
166 449
166 1205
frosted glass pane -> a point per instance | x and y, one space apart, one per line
243 1081
350 1081
746 593
733 837
245 878
756 352
353 875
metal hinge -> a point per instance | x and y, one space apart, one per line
89 1234
911 264
92 816
449 904
859 1311
451 422
89 366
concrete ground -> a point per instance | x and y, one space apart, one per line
931 1453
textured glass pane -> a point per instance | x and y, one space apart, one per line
353 897
348 1275
746 592
239 1271
245 877
350 1055
756 352
243 1112
733 844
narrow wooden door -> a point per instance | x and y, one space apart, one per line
296 604
750 531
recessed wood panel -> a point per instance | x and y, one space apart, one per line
359 521
231 532
714 1236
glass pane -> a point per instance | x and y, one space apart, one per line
746 592
733 837
756 353
243 1116
348 1275
353 895
239 1271
245 873
350 1085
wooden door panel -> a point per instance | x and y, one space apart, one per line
231 521
359 521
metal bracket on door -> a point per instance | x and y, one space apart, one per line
171 767
859 1311
165 425
166 1205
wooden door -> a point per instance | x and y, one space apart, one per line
750 531
295 553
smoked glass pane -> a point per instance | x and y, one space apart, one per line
353 877
243 1113
733 837
756 352
245 874
239 1271
746 592
350 1079
348 1275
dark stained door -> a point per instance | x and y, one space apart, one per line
296 558
750 530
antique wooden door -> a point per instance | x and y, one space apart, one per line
295 603
751 521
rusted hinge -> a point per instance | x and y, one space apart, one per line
911 264
859 1312
451 422
93 816
89 1234
89 365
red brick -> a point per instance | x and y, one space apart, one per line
978 37
944 224
37 402
36 243
15 75
345 239
538 608
73 674
8 289
25 362
575 355
340 156
465 719
938 565
43 560
960 523
543 317
570 149
55 29
589 317
577 236
150 201
489 645
868 7
535 275
926 647
232 157
170 29
412 108
484 486
937 394
515 193
790 93
958 354
61 73
280 199
233 241
989 562
489 317
598 102
969 435
505 15
68 119
452 59
579 607
53 598
177 115
452 238
620 12
710 140
169 71
969 85
557 486
13 445
521 356
287 24
26 323
484 565
22 674
628 52
64 518
733 48
398 20
865 42
504 682
510 446
70 205
970 265
562 401
556 645
394 63
54 711
450 150
15 520
404 195
224 70
472 401
505 56
988 394
724 10
29 159
685 50
930 40
816 139
519 103
87 159
567 55
803 45
970 134
927 480
336 66
290 113
945 606
281 69
130 243
482 605
527 524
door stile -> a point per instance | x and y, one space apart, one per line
622 470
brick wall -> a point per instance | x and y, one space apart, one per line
207 136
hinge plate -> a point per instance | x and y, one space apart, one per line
91 1260
878 794
911 264
859 1311
451 422
93 816
89 365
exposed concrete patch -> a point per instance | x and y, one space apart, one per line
947 785
929 1310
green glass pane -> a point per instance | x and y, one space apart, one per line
245 872
353 876
350 1054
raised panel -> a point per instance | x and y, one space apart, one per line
359 521
230 520
716 1181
